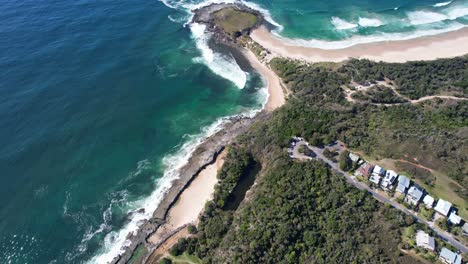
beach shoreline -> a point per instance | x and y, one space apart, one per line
445 45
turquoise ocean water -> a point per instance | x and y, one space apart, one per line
102 101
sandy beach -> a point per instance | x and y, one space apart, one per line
445 45
276 96
191 202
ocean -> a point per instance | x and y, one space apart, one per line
102 101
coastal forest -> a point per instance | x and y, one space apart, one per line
301 212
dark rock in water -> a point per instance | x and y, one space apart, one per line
206 15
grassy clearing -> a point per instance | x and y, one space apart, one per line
234 21
185 259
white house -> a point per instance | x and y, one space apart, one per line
443 207
403 184
424 240
354 157
449 257
428 201
389 179
454 218
375 178
415 194
379 171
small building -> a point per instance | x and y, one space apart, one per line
449 257
428 201
378 171
465 229
415 194
454 219
443 207
365 170
389 179
375 179
354 158
424 240
403 184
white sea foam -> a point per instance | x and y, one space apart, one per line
342 24
442 4
221 65
115 241
330 45
369 22
457 12
425 17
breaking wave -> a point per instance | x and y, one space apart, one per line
340 44
369 22
341 24
443 4
221 65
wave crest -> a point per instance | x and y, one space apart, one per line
342 24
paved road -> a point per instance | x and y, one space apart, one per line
362 186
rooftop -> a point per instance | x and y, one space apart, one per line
428 201
454 218
415 192
424 240
443 207
449 256
404 181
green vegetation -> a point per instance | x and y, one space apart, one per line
380 95
300 212
138 255
184 259
346 163
415 79
432 134
235 22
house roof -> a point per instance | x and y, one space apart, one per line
404 181
378 170
366 168
450 256
428 201
454 218
443 207
353 157
465 228
424 240
390 176
415 192
375 179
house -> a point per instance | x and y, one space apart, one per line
424 240
389 179
403 184
378 171
454 218
365 169
354 157
449 257
375 178
465 229
415 194
428 201
443 207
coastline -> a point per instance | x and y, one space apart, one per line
445 45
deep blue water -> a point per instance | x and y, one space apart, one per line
101 100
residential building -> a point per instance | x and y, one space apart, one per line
443 207
424 240
454 218
449 257
465 229
403 184
389 179
365 170
428 201
354 157
375 178
415 194
379 171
